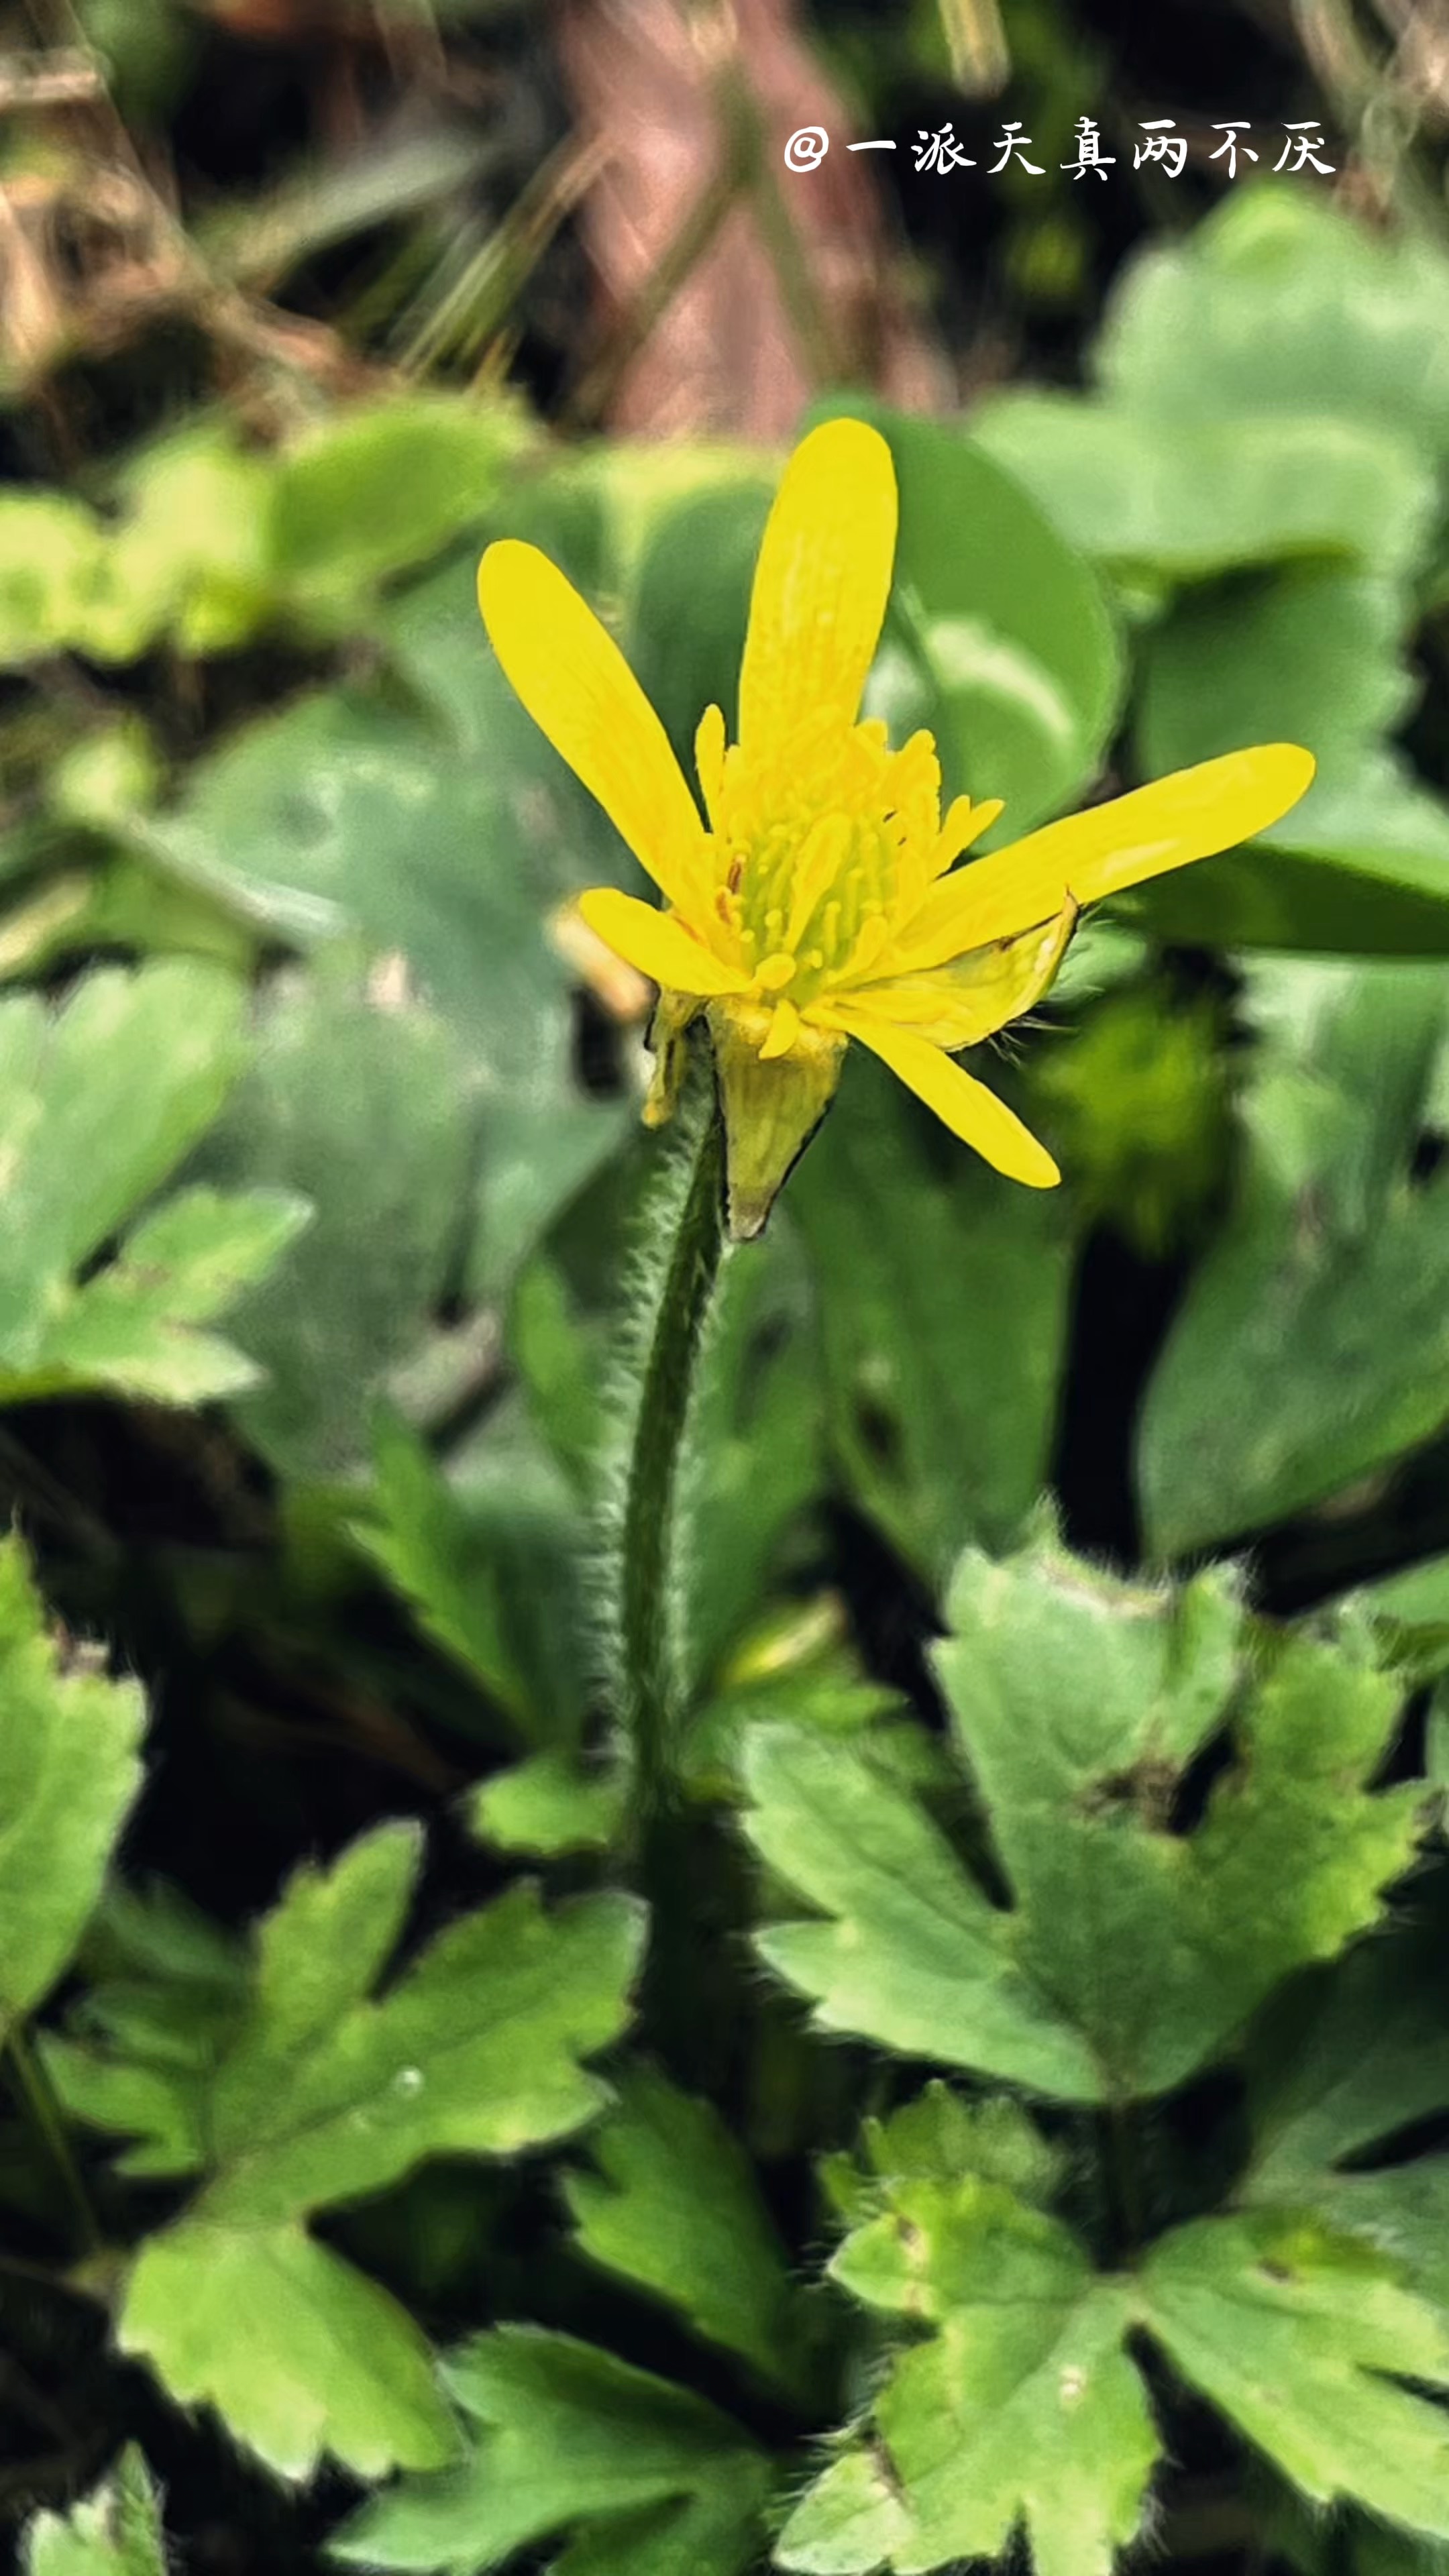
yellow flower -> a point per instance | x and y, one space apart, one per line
821 902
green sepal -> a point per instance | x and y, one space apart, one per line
771 1108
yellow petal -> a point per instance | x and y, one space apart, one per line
709 758
960 1004
1189 816
578 688
821 586
657 943
784 1030
966 1106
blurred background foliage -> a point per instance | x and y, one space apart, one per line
322 1176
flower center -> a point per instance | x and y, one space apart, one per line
810 901
819 853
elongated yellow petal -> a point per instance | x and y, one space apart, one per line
657 943
964 1105
1190 815
578 688
784 1030
821 586
960 1004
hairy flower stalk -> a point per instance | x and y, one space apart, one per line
643 1548
818 899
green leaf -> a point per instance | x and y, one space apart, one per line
829 1696
1311 655
674 2207
361 1106
943 1308
1311 1346
134 1326
1079 1702
1299 2333
999 638
1284 303
161 1992
911 1954
1193 498
689 603
934 2137
320 2092
1343 2062
50 551
1337 2074
1408 1617
116 2532
650 2479
300 2355
98 1102
1350 2544
69 1769
1280 307
380 488
497 1588
1131 1954
341 814
1020 2408
1019 2405
189 557
433 2068
547 1806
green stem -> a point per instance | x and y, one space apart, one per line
646 1681
48 2121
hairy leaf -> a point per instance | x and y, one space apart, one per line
162 1989
69 1769
493 1580
1347 2058
322 2092
300 2354
116 2532
649 2479
1020 2407
548 1805
1131 1953
359 1100
674 2206
1299 2332
98 1102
